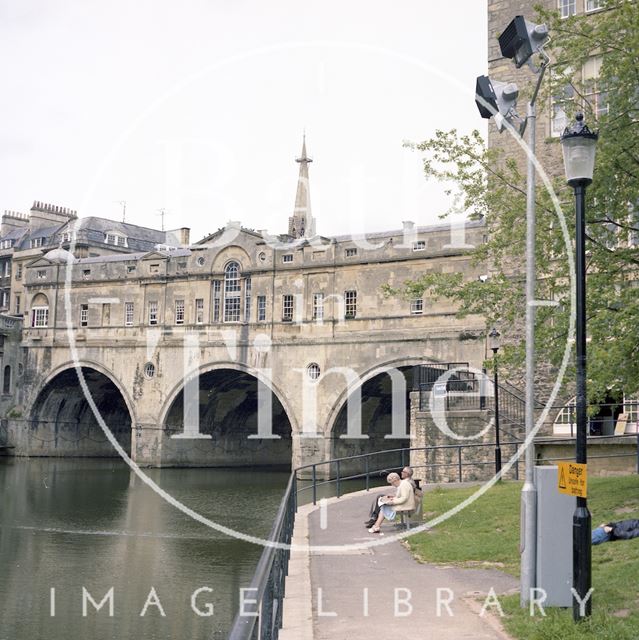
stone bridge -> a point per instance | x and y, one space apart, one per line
234 354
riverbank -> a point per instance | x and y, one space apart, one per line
487 532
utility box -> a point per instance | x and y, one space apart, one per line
554 538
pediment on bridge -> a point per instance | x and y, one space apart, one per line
232 229
40 261
155 255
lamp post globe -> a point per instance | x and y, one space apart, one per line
578 145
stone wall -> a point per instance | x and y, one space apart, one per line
442 457
605 458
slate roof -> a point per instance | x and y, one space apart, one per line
128 257
93 229
15 234
43 232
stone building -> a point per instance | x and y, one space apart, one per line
553 115
26 237
273 339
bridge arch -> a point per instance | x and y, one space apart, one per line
376 386
230 395
61 421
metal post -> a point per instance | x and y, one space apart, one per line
497 444
314 485
581 548
338 480
528 544
368 484
459 462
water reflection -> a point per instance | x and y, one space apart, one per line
69 524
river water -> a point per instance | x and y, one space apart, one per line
69 524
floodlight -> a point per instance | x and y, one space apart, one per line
494 98
521 39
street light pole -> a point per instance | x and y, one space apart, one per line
578 145
519 41
581 521
494 346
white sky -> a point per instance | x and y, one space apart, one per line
199 107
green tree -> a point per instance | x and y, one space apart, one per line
491 184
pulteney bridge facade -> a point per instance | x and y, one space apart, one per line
281 335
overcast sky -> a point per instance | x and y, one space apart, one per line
198 107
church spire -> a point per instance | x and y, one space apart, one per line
301 224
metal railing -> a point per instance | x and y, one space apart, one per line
268 584
332 472
266 591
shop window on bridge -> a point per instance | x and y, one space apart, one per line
199 311
40 311
179 312
261 308
153 312
247 299
6 380
232 292
318 306
287 307
216 300
350 304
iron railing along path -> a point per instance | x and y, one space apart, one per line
267 588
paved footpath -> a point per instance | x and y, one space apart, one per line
379 592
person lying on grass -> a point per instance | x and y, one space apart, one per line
403 501
622 530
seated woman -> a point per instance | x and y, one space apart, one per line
403 501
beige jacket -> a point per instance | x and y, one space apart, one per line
405 498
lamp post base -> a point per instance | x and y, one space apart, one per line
581 560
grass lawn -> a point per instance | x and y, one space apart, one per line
487 532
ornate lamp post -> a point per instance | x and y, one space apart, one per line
578 145
494 343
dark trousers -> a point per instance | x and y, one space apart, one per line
374 512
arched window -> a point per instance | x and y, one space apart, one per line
232 292
40 311
6 381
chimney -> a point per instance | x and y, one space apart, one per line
43 214
178 237
12 220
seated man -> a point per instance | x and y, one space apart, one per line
403 501
622 530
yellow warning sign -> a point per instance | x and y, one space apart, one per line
573 479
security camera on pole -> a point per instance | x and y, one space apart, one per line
519 41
